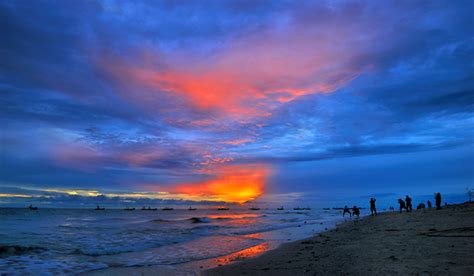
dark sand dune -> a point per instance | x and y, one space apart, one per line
425 242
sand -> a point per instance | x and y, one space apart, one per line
424 242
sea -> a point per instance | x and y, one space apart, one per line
74 241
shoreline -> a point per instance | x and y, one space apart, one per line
271 240
421 242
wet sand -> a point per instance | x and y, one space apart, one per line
424 242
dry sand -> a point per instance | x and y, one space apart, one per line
424 242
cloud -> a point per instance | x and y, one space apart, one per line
114 95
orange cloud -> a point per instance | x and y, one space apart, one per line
236 183
247 77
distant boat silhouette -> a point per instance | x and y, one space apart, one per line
280 208
223 208
254 209
191 209
129 209
167 209
32 208
98 208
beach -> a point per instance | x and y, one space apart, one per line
425 242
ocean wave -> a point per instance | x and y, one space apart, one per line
199 220
11 250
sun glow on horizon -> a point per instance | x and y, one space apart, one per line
236 183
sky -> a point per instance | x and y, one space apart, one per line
234 101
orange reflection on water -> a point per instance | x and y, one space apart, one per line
254 236
250 252
236 219
232 216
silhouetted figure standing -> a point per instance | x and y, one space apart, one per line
373 210
409 204
429 204
402 204
355 211
346 210
438 201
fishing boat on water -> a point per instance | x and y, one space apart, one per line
98 208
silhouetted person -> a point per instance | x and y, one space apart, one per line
402 204
429 204
438 200
346 210
355 211
373 210
391 208
409 204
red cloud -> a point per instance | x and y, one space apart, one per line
248 77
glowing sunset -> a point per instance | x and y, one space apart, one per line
244 124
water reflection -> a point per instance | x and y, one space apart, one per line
250 252
232 216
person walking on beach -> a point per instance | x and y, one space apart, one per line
373 210
402 204
409 204
438 201
429 204
346 210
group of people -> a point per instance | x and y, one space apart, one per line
404 204
407 205
355 211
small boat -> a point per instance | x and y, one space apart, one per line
32 208
191 209
129 209
254 208
280 208
222 209
99 209
167 209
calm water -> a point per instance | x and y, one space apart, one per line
64 241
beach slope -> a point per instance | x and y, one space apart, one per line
422 242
